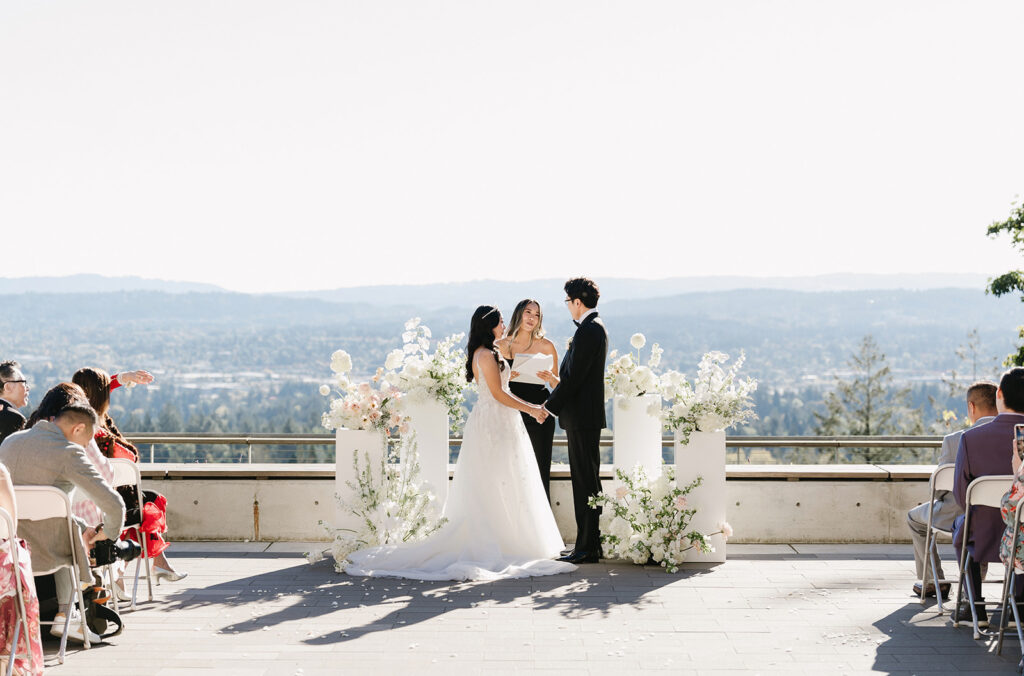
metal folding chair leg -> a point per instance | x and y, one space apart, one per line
14 646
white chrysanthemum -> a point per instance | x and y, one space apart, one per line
638 341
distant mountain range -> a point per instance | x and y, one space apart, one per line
91 283
460 294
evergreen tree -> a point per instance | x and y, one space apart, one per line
868 404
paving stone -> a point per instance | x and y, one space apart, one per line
257 609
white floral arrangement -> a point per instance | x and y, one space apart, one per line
646 520
360 406
419 374
716 400
628 377
392 506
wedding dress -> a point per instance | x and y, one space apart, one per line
499 525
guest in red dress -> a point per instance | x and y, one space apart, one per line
98 385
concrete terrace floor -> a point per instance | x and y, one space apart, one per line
255 609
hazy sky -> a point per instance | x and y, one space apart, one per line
296 144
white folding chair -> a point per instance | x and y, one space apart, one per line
1009 587
985 491
9 541
38 503
126 473
942 479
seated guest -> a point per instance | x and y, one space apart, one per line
97 386
52 453
13 396
981 408
29 651
987 450
60 397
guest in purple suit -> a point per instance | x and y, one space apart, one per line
984 451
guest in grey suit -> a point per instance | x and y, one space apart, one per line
986 451
53 454
981 408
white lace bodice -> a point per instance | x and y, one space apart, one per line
483 389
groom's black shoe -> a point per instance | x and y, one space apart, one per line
567 551
581 557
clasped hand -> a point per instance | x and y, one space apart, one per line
539 414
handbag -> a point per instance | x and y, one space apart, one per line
98 616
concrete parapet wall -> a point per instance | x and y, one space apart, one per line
766 504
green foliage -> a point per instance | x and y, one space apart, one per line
1012 281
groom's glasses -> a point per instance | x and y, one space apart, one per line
568 300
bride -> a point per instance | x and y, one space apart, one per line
500 523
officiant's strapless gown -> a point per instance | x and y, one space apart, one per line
500 524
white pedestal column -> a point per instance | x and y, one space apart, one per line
346 443
428 421
637 434
704 456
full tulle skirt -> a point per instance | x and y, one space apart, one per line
499 525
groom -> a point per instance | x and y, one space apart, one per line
578 401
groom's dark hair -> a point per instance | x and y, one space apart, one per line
583 289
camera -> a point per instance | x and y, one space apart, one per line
105 552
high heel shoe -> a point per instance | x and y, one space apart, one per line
121 594
169 575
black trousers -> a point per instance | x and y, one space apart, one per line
585 465
542 438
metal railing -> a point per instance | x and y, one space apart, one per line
300 448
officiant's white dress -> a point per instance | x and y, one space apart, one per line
499 522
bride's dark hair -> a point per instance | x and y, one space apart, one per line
481 334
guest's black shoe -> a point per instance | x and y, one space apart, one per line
567 551
930 590
580 557
963 614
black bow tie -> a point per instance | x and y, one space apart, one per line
575 322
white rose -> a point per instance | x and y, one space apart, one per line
394 359
638 341
341 362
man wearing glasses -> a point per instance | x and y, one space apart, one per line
13 396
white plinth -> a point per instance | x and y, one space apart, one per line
637 434
346 443
428 421
704 456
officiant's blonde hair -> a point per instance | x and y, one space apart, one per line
517 319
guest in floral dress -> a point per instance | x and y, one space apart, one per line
1009 505
29 651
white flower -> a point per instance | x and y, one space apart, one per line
638 340
412 324
394 359
656 353
325 390
726 529
341 362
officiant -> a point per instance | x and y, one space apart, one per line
525 336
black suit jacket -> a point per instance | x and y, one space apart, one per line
578 399
11 420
